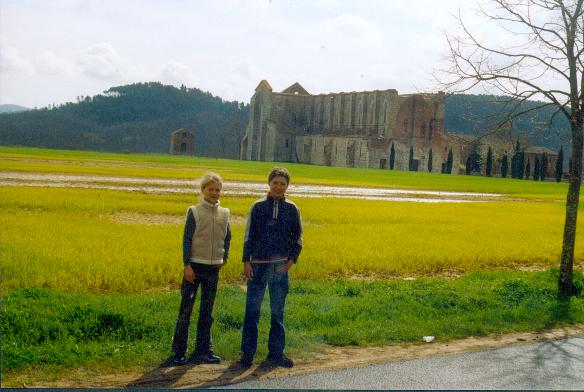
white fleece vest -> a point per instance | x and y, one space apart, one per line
210 231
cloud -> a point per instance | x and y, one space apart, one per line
49 63
101 61
239 81
11 62
352 27
176 73
244 70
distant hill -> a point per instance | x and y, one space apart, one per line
12 108
138 118
476 114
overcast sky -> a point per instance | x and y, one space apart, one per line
52 51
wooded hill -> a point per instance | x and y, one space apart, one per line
12 108
140 118
137 118
476 115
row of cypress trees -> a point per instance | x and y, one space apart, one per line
446 166
519 167
522 169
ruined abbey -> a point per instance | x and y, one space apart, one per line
355 129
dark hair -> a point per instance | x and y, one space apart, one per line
279 172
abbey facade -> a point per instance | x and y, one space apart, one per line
355 129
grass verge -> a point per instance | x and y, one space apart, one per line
48 330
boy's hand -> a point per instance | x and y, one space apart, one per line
189 274
248 270
285 267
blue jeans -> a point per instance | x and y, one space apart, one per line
277 282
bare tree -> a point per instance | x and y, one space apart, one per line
541 60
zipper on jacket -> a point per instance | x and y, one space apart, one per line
275 209
213 233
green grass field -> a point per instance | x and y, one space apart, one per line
90 276
166 166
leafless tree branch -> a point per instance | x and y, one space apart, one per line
545 62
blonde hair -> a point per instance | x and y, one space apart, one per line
209 178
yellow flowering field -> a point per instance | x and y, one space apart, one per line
104 240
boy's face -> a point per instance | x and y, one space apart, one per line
212 192
278 186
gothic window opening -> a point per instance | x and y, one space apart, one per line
328 152
307 152
432 126
351 155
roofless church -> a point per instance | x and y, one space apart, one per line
355 129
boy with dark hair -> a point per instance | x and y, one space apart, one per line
272 244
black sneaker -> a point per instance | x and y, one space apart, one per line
281 360
179 360
209 357
245 361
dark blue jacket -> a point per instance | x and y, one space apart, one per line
273 232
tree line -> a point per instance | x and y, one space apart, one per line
474 115
520 164
140 117
132 118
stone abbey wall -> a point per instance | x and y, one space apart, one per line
353 129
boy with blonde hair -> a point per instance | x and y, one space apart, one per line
206 242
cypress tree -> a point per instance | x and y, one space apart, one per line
449 162
560 165
468 165
527 170
544 167
392 157
475 159
430 161
443 168
504 166
536 169
521 164
411 159
515 162
489 164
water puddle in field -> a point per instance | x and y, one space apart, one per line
158 185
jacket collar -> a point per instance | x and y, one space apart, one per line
276 198
206 204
